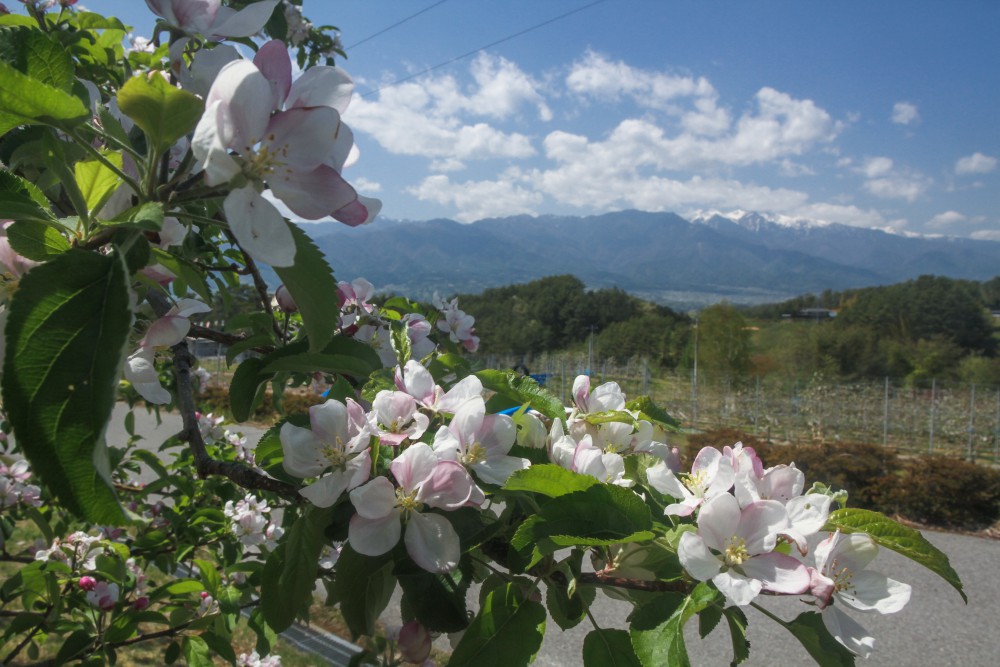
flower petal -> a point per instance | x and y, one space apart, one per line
375 500
374 537
432 542
302 451
847 631
694 555
244 23
322 86
259 227
325 491
739 590
778 573
873 591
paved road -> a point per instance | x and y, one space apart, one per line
936 628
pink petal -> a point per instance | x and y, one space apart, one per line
322 86
313 194
242 118
274 63
448 487
719 520
244 23
432 542
359 212
375 500
414 465
778 573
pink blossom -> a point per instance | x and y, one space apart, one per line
415 380
211 19
734 548
424 481
481 442
104 596
88 583
285 300
711 476
397 417
414 642
608 396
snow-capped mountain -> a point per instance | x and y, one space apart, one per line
742 256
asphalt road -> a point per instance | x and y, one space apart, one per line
936 628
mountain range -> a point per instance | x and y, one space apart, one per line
743 257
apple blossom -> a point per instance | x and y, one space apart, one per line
334 449
606 397
711 475
211 19
415 380
104 596
414 642
481 442
424 481
841 577
734 548
397 417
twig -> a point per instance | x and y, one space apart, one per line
258 283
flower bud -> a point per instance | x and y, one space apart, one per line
285 300
141 603
88 583
414 642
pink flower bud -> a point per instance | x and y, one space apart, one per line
285 300
414 642
88 583
204 594
141 603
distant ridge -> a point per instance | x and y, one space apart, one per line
744 257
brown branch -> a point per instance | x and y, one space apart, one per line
602 579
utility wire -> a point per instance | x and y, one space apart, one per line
482 48
395 25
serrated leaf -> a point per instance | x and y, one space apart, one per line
245 388
21 200
507 632
96 181
364 586
647 409
47 61
737 622
438 600
288 589
600 515
311 283
196 652
549 480
164 113
897 537
609 648
36 241
26 101
66 331
517 390
147 217
657 628
809 629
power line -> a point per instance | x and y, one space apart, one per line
395 25
482 48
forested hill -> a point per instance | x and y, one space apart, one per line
658 256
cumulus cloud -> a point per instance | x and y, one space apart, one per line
977 163
597 77
877 166
986 235
904 113
476 200
436 118
897 187
946 219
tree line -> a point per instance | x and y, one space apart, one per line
929 327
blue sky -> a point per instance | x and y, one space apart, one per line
879 114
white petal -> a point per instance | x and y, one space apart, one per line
259 227
325 491
665 481
242 119
847 631
152 392
808 514
375 500
245 22
207 145
719 520
872 591
778 573
322 86
739 590
329 421
497 469
760 523
373 537
301 451
694 555
432 542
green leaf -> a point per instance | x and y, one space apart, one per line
507 632
737 621
326 363
901 539
647 409
26 101
809 629
609 648
196 652
549 480
75 644
287 592
600 515
438 600
66 332
184 270
164 113
364 586
311 283
36 241
47 61
245 388
516 390
657 628
147 217
97 181
22 200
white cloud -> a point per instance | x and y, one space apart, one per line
977 163
946 219
986 234
596 76
904 113
479 199
897 187
840 213
362 184
877 166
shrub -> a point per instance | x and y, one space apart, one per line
947 492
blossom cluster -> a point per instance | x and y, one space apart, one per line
14 487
